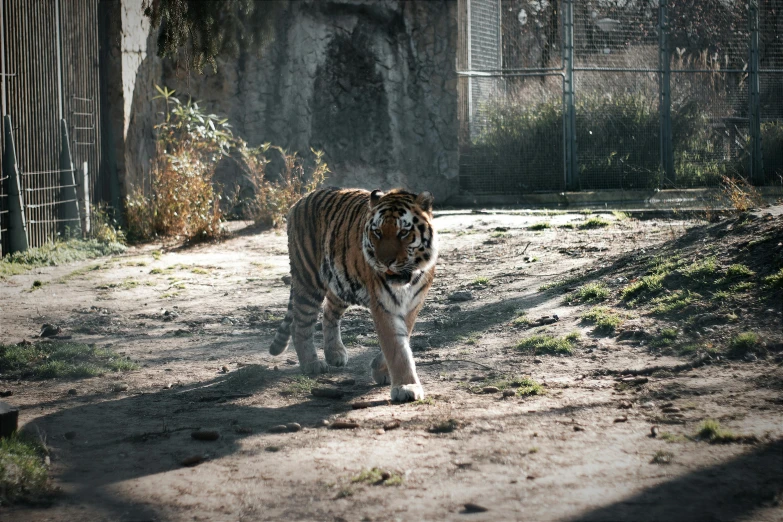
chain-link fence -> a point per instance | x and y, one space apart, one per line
619 94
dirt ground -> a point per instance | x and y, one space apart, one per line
199 320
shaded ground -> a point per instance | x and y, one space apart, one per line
581 450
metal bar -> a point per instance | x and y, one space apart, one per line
756 165
85 203
569 106
57 171
51 203
509 75
82 99
665 98
45 221
524 69
73 113
85 128
3 74
46 188
59 58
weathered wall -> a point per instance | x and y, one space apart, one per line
371 83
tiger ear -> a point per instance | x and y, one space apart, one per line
425 200
375 197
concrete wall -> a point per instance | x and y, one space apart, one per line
371 83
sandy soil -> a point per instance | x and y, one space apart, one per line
582 450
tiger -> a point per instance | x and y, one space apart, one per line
371 249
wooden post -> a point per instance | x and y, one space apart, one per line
17 228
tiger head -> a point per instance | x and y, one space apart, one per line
399 240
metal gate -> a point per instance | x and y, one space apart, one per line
48 72
619 94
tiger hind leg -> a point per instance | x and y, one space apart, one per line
334 349
283 334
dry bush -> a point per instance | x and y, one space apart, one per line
740 194
183 200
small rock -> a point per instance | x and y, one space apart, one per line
291 362
509 393
751 357
70 435
286 280
474 508
322 422
343 425
490 389
360 405
635 380
224 369
671 409
380 431
73 391
577 427
119 387
328 393
347 382
392 425
460 297
654 431
621 419
227 321
625 405
168 385
280 428
193 460
648 405
537 361
50 330
293 427
206 435
6 393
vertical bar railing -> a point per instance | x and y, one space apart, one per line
756 165
569 107
668 178
69 222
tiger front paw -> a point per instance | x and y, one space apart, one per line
407 393
336 356
314 367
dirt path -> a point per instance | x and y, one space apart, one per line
198 321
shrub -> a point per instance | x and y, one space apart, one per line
182 198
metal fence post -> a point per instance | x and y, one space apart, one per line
668 178
68 210
85 200
17 228
756 164
569 109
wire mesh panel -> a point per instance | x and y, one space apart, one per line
771 88
512 124
709 44
49 72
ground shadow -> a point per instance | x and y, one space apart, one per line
731 490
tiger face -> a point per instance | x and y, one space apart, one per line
399 241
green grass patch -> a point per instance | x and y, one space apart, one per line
126 284
744 343
54 254
547 344
445 426
591 292
739 270
49 360
667 337
23 473
701 269
620 215
299 385
480 281
603 318
594 222
378 477
711 431
775 280
498 234
566 225
198 270
642 287
541 225
662 457
671 302
521 319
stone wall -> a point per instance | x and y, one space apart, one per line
371 83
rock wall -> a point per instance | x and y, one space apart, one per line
371 83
